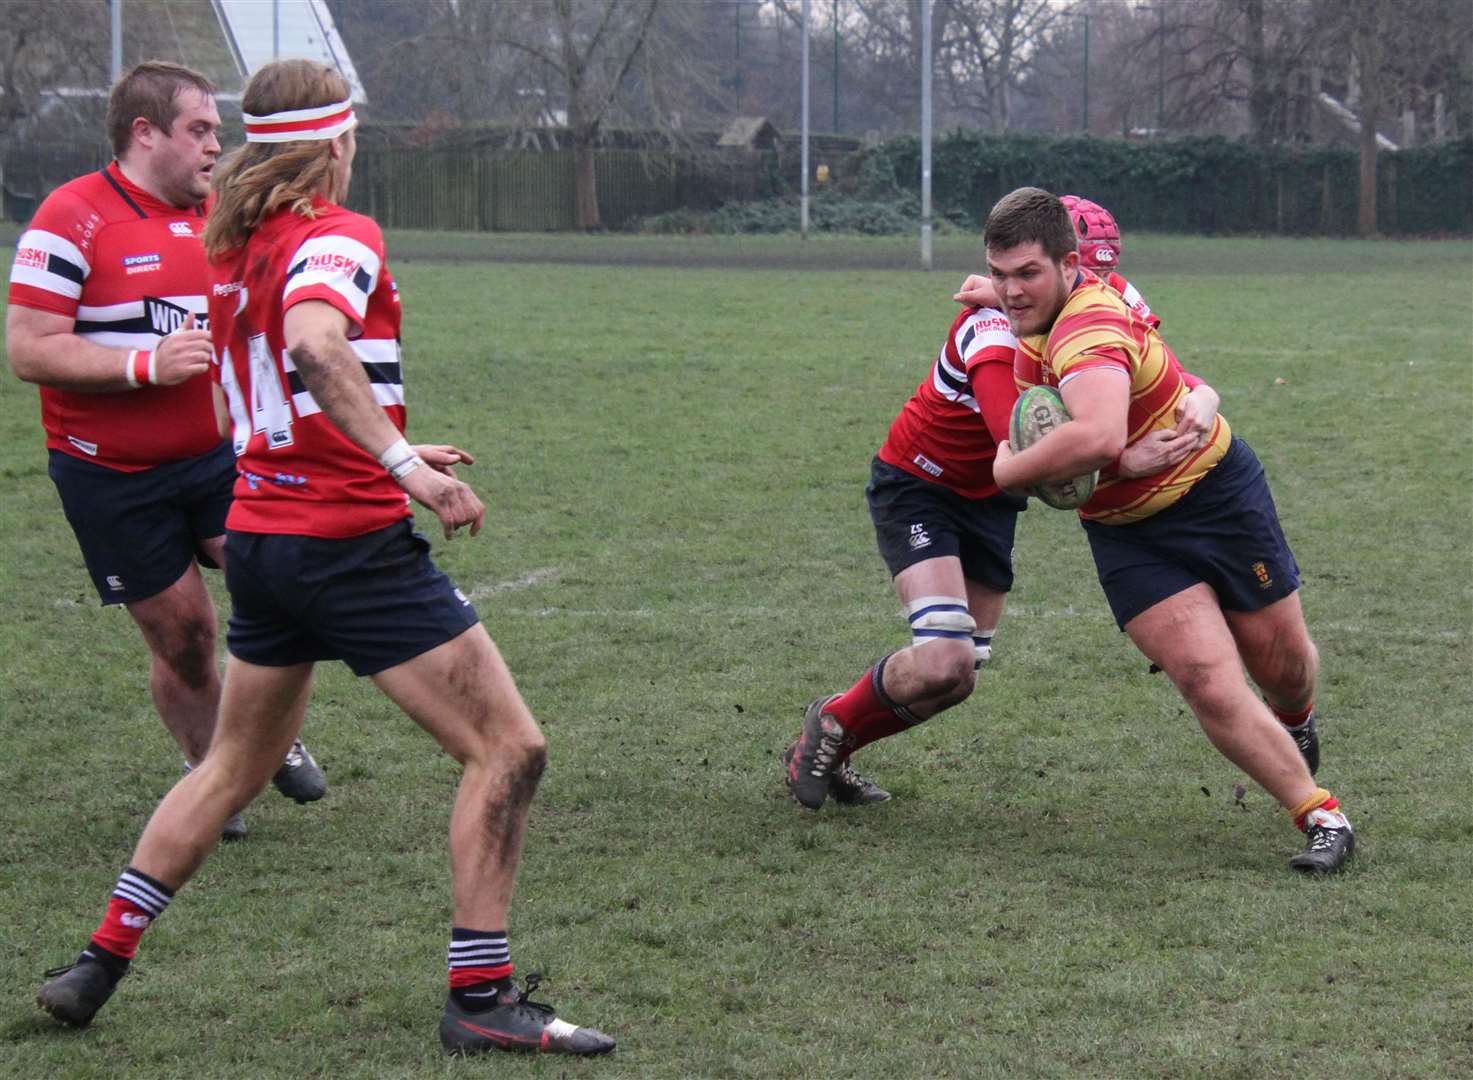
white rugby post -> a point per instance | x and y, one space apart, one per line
117 28
925 134
803 186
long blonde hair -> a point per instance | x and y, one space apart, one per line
258 179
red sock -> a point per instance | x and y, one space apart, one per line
1292 719
122 927
866 714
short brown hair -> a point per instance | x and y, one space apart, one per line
258 179
151 90
1031 214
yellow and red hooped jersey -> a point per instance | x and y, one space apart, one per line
126 269
1098 330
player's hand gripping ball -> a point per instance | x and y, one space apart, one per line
1039 410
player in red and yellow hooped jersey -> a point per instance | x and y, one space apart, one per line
106 291
322 560
1193 560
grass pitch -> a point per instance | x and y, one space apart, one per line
1068 882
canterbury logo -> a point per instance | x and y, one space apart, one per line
136 921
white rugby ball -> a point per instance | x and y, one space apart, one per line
1038 411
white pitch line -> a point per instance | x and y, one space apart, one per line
526 581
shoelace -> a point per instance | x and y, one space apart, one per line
1322 838
846 775
533 981
827 753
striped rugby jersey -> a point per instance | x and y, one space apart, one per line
127 269
298 473
1097 330
941 434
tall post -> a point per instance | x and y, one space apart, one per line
276 29
835 128
117 29
738 61
803 189
1086 73
925 134
1160 67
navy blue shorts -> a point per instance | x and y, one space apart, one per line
1224 532
917 519
139 531
371 601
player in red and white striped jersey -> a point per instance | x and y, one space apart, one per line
106 289
324 564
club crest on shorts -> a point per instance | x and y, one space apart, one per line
1261 572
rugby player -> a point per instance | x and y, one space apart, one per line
1192 559
1100 249
108 282
324 562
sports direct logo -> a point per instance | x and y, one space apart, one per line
34 258
142 264
331 264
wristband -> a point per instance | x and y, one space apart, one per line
405 467
139 368
400 459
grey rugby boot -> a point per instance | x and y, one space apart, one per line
300 777
515 1022
817 754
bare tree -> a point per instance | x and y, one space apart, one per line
588 48
47 46
987 48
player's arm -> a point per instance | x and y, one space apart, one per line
978 291
45 349
316 335
1098 401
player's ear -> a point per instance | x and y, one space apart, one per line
1070 264
142 131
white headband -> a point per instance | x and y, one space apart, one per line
321 122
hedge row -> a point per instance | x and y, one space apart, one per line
1184 185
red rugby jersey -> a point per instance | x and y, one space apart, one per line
945 432
298 473
1097 330
127 269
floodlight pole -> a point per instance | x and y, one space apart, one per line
117 28
275 29
1160 69
836 67
925 134
803 187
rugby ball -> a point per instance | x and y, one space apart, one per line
1039 410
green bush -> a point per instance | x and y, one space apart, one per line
828 212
